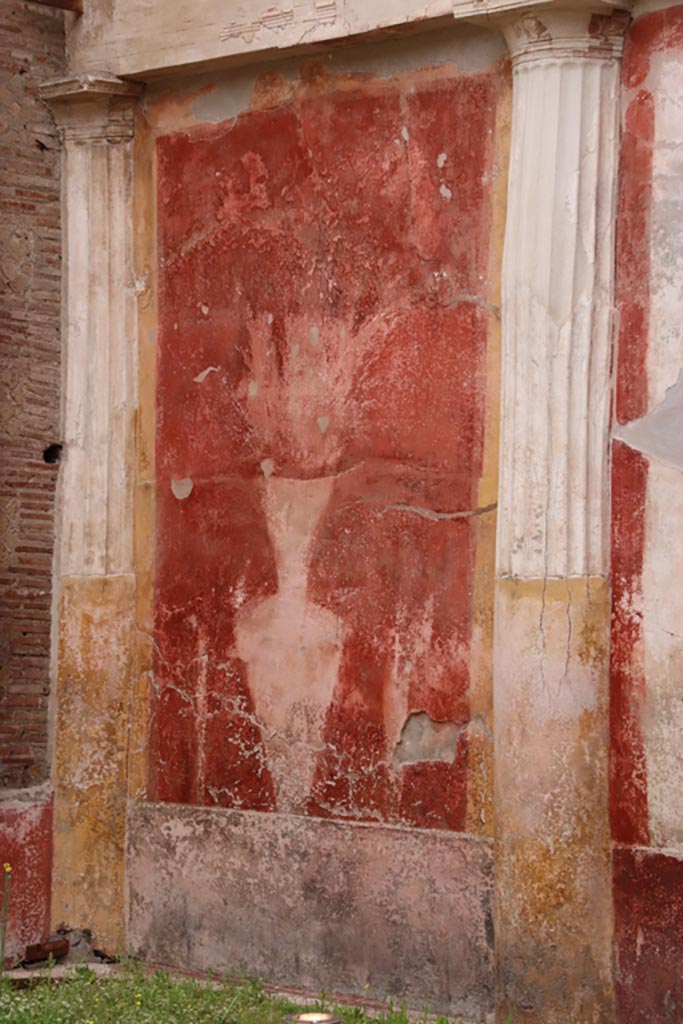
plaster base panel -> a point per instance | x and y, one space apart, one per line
314 904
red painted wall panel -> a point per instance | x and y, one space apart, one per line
648 921
321 377
26 844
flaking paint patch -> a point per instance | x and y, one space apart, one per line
553 865
201 377
96 666
469 48
423 739
182 488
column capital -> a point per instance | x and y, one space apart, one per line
555 30
92 108
553 34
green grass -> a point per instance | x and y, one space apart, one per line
134 997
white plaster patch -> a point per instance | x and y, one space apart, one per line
666 233
441 160
660 432
663 643
239 594
423 739
269 318
445 191
323 424
201 377
267 466
405 134
252 388
182 488
205 309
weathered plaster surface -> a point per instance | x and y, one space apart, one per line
553 893
468 48
26 844
95 669
323 328
313 903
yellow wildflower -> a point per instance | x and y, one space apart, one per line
8 868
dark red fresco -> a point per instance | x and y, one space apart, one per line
320 260
648 935
628 776
26 845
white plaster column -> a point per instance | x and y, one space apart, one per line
551 646
95 120
94 572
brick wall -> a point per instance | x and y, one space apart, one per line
31 51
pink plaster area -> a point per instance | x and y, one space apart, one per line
26 844
290 645
360 909
321 382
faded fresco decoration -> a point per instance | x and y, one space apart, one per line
320 420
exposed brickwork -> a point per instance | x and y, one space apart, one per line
31 51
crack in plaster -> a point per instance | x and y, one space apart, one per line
433 515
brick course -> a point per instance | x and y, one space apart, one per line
31 51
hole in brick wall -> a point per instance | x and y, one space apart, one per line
53 453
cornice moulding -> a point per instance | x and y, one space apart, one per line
508 10
88 86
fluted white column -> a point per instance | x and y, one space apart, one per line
95 119
95 584
553 884
557 295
